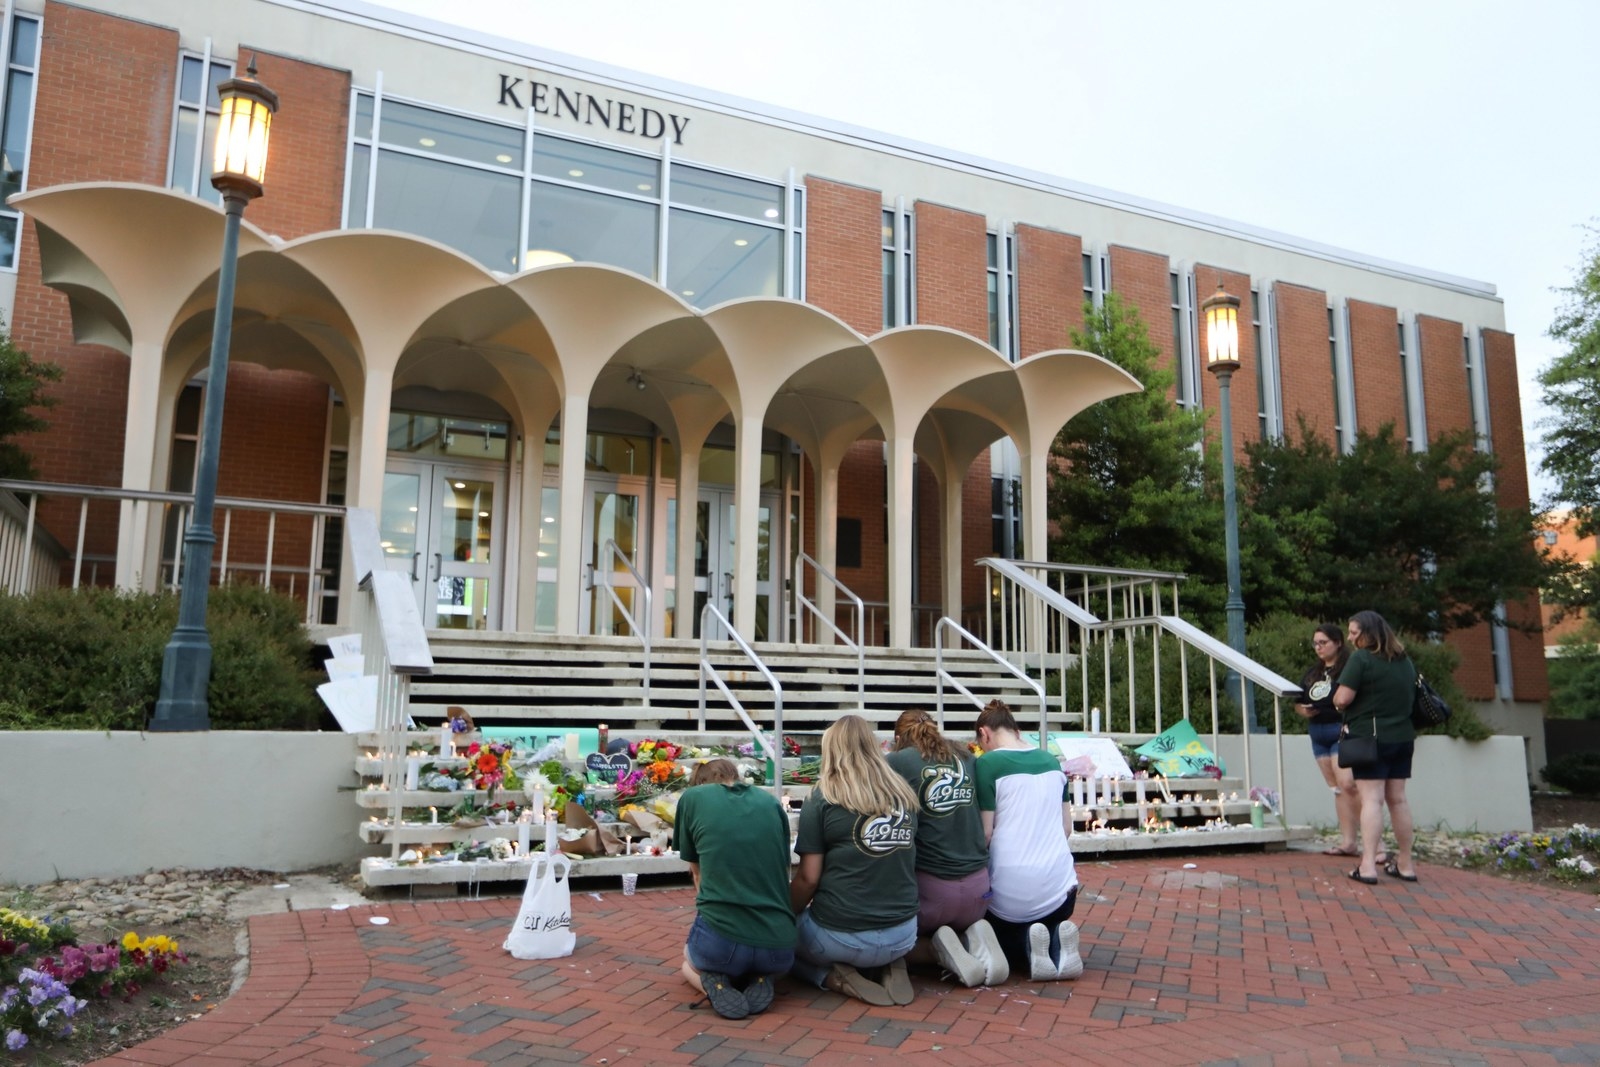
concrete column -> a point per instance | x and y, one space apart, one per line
747 519
688 508
901 520
138 464
573 564
827 519
1035 506
529 522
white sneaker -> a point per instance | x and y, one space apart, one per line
984 947
953 957
1071 965
1043 968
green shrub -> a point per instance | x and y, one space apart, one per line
91 660
1578 772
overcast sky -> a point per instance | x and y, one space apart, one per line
1457 135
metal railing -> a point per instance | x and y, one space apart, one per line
612 551
801 601
178 505
1037 609
30 559
394 646
948 625
708 673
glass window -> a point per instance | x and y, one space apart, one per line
360 161
618 453
362 126
466 208
603 168
1405 379
726 193
438 133
15 127
194 125
592 227
710 260
444 435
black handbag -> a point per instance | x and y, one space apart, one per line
1428 708
1358 751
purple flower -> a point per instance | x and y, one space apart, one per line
15 1039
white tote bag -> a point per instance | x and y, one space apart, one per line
543 929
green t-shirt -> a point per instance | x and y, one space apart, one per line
950 842
739 835
1384 690
869 875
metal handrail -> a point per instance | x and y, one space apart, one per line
943 675
803 601
642 632
773 750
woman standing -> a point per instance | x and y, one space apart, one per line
855 893
1375 694
735 839
1027 818
952 854
1327 643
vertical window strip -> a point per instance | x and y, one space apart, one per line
1333 367
1181 385
19 42
891 260
994 289
194 111
1405 385
1261 364
1013 318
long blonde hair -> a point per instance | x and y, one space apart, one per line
855 775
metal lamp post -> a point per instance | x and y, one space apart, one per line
1222 359
238 169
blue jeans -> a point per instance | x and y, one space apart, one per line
1325 738
817 948
708 950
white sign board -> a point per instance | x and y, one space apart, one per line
1101 751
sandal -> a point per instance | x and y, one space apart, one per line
1341 850
1392 869
1357 876
725 1000
847 981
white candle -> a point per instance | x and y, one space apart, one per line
413 769
523 830
552 840
1078 799
447 743
1138 791
433 816
1094 720
572 746
538 800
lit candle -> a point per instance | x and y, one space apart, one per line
552 840
605 737
447 744
1078 798
433 816
1138 791
1094 720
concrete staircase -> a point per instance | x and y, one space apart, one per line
518 679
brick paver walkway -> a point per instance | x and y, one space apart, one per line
1252 959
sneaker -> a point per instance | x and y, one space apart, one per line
984 946
1071 965
726 1001
1041 966
897 982
758 993
847 981
954 958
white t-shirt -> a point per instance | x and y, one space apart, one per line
1030 863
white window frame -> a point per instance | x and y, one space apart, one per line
192 184
6 36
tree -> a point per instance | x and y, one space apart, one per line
1417 536
1128 487
1572 393
22 388
1575 675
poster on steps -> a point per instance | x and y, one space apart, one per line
1101 751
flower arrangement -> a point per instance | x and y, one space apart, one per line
644 752
482 766
1563 853
42 991
1267 798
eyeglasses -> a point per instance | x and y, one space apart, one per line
1318 642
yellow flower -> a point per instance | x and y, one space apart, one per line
130 940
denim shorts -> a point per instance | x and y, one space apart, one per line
1324 738
708 950
818 948
1394 761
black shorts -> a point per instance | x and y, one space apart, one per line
1394 761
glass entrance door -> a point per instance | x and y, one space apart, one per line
614 513
714 561
440 525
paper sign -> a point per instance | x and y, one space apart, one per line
1102 751
353 701
345 645
609 768
342 667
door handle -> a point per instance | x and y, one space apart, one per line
415 556
588 576
438 565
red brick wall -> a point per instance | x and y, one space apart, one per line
123 73
862 492
1049 289
1380 385
1304 367
1444 376
1143 279
305 174
952 269
1528 680
844 252
1242 390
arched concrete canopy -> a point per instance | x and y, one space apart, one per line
375 310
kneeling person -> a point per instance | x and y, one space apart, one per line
735 839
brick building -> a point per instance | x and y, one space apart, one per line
467 246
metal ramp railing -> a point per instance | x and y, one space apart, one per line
801 601
613 552
709 673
